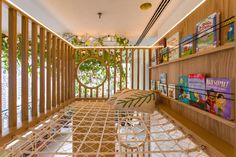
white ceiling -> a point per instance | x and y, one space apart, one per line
121 17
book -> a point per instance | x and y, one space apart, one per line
197 90
163 78
153 59
173 44
162 43
163 88
164 55
186 46
229 30
208 32
172 91
219 97
183 93
153 84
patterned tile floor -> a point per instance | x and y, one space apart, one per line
90 129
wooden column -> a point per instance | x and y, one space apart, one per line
150 64
138 71
63 72
73 72
126 68
24 72
80 58
132 70
121 69
58 71
34 69
12 40
144 74
69 72
109 75
54 96
49 57
66 72
0 66
42 71
114 70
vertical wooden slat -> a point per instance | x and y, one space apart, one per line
132 70
62 72
48 71
80 58
1 66
66 72
85 92
54 71
108 60
91 93
120 69
58 71
24 72
69 72
138 71
114 70
144 71
103 52
42 70
126 68
12 68
34 69
150 64
73 72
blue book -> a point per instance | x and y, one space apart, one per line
183 92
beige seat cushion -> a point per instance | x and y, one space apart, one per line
112 99
136 100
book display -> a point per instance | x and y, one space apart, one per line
183 92
219 97
186 46
207 32
173 44
196 84
164 55
172 91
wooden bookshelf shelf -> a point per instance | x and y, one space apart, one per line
231 124
201 53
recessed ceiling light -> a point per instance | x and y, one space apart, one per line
145 6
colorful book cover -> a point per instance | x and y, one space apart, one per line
153 84
219 97
163 78
153 59
173 44
197 90
207 32
163 89
186 46
229 30
183 93
164 55
172 91
162 43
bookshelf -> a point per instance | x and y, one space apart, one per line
198 54
231 124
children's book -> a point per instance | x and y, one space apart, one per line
173 44
172 91
208 32
163 78
153 59
228 29
183 93
163 89
153 84
186 46
219 97
164 55
197 88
